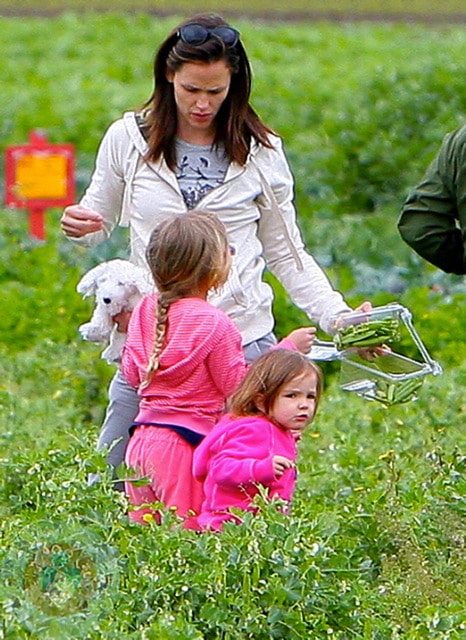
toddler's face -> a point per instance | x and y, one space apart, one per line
295 405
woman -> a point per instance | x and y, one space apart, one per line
197 142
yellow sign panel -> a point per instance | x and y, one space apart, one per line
41 176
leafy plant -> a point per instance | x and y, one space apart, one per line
374 546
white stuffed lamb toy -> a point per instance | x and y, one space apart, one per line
117 286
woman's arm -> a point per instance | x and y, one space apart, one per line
93 219
303 279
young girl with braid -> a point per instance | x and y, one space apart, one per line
185 358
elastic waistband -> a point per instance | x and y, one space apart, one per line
191 437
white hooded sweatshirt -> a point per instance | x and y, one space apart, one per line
255 202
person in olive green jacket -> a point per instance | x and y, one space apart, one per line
433 217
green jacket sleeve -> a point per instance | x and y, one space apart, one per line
433 217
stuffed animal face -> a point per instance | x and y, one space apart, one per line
117 285
115 295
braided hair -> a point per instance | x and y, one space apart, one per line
187 254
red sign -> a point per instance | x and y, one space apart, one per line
39 175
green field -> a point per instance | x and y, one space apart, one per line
374 548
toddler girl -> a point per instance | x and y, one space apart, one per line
256 443
185 358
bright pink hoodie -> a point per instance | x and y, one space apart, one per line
234 458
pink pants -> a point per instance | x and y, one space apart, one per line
166 459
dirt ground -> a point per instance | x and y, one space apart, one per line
311 16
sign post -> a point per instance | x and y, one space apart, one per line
39 175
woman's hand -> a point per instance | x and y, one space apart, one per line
303 338
364 306
281 464
77 221
370 353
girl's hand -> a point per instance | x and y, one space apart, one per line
77 221
122 321
281 464
303 338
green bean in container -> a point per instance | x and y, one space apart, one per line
390 393
367 334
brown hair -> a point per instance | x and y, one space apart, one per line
266 377
236 123
187 254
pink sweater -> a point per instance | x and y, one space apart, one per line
235 457
201 364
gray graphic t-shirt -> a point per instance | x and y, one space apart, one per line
199 169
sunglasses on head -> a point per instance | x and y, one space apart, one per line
195 33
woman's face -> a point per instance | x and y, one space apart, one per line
200 89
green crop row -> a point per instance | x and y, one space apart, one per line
361 107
